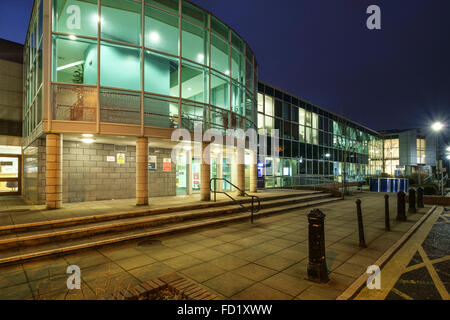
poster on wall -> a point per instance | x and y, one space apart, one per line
151 162
120 158
167 164
110 159
269 168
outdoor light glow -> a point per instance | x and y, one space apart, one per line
98 19
189 89
448 149
437 126
448 156
154 36
70 65
87 140
327 155
227 72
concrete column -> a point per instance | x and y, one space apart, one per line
141 171
253 172
241 170
205 174
53 171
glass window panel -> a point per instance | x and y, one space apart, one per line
77 17
220 91
219 28
315 121
237 65
260 103
220 118
260 121
249 75
195 43
170 5
121 21
195 14
161 30
194 82
308 119
220 55
268 123
237 42
193 114
74 61
286 111
301 116
160 112
114 59
161 74
237 99
250 107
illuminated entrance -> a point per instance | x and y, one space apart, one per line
10 174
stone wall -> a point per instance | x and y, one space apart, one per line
88 176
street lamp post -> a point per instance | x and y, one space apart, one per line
437 127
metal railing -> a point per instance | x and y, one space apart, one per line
252 210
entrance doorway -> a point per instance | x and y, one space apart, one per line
10 174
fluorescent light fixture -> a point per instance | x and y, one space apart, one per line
227 72
87 140
87 135
70 65
187 148
448 156
200 57
154 36
97 19
328 155
448 148
189 89
72 37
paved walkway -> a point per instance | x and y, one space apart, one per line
266 260
421 268
13 210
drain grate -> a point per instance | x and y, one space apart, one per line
147 243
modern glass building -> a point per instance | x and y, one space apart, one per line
316 146
98 70
107 82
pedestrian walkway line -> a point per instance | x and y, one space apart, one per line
402 294
394 269
421 265
434 276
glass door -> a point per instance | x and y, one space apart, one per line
10 174
181 175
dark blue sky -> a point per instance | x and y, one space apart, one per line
321 50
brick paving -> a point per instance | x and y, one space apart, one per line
266 260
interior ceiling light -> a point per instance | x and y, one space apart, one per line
87 140
70 65
87 135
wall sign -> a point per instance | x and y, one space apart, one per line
120 158
167 165
151 162
110 158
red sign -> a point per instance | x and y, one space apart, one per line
196 176
167 165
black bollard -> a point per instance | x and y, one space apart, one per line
317 263
386 213
362 241
412 201
420 203
401 206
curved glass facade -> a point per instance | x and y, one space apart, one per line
172 61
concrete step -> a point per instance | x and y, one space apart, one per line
66 222
90 228
44 250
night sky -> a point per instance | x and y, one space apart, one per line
322 51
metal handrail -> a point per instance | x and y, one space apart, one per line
252 208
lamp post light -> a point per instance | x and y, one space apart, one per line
437 127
